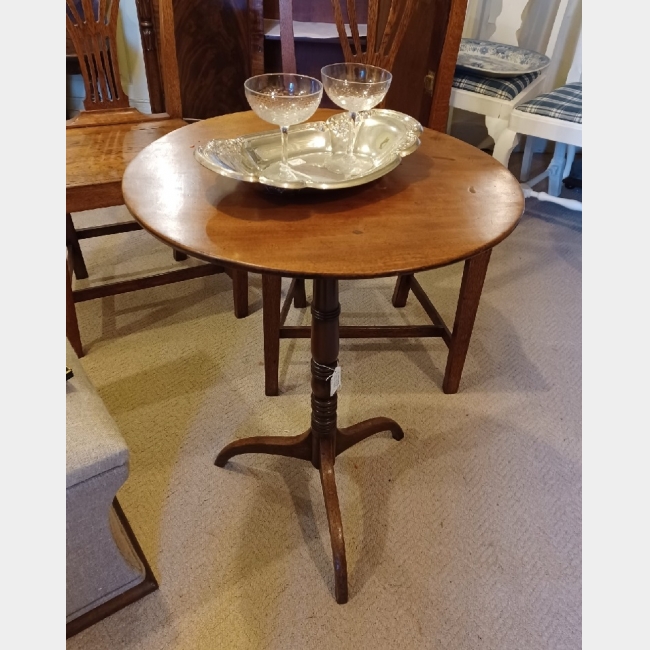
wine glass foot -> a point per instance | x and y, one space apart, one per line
282 172
348 165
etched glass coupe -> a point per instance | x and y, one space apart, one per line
354 87
285 100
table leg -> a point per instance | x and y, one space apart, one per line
325 352
292 446
334 522
324 440
358 432
468 299
401 291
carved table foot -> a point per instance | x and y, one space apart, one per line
328 483
358 432
294 447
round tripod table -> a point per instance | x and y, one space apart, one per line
444 203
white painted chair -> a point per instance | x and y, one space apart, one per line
555 116
521 23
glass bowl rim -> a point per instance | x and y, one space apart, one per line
284 74
357 65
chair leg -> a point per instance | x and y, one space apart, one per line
240 292
556 169
179 257
570 157
401 291
299 295
527 158
468 300
271 297
504 145
495 127
71 323
74 249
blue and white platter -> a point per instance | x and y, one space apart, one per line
489 59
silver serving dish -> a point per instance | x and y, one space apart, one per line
383 139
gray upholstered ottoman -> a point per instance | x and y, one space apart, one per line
106 569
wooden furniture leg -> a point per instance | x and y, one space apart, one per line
299 295
271 295
358 432
468 300
240 292
74 249
401 291
71 323
334 522
323 441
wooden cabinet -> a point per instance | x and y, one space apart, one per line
213 43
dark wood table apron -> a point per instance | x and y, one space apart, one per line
445 203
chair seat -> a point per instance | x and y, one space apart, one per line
564 103
506 88
98 155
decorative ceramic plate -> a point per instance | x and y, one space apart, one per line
489 59
383 139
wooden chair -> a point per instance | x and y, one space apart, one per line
387 24
108 134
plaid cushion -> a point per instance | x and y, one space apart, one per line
507 88
563 103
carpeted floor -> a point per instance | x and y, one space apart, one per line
466 534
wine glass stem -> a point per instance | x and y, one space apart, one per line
355 129
284 130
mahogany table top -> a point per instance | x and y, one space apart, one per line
444 203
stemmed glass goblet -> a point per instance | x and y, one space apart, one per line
283 99
354 87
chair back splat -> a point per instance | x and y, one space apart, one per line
382 44
92 26
386 24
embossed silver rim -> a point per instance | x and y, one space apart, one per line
232 157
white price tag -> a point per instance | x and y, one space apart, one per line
335 381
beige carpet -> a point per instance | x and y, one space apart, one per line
466 534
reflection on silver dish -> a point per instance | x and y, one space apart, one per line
383 139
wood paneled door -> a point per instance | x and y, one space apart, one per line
213 50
